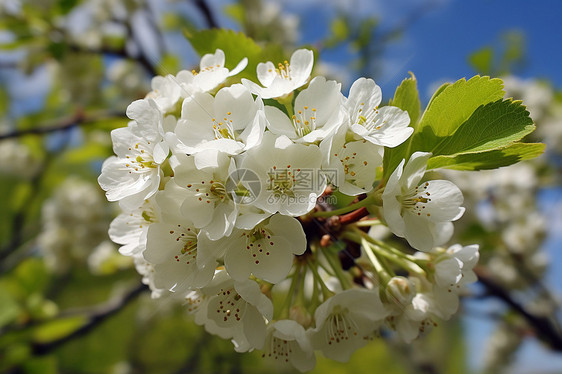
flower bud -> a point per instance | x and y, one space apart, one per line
400 291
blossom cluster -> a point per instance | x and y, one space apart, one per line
251 202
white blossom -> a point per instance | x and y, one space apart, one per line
346 322
266 251
386 126
287 341
231 122
420 213
318 111
289 174
283 79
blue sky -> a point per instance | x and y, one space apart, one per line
435 47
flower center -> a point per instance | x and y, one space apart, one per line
368 118
416 199
258 243
278 349
351 164
187 237
206 69
229 307
304 121
281 181
339 326
224 129
284 70
193 301
208 191
140 158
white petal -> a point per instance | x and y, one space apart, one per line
446 199
278 122
415 169
238 68
301 64
291 229
419 232
266 73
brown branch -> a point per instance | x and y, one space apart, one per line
97 315
79 118
543 327
207 13
356 215
118 52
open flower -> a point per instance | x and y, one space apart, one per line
355 162
236 310
420 213
171 248
289 174
318 112
386 126
129 228
205 200
346 322
134 175
266 251
283 79
211 74
287 341
230 122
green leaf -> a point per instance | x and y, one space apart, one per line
9 308
170 64
41 365
438 92
339 32
235 45
406 97
488 160
30 276
449 108
456 103
236 12
482 60
491 126
87 152
58 328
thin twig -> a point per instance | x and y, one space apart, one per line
96 317
207 13
79 118
118 52
543 327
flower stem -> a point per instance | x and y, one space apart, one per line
384 276
326 293
335 265
372 199
295 279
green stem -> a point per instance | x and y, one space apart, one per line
367 223
334 263
381 271
369 200
284 310
403 260
326 293
289 108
